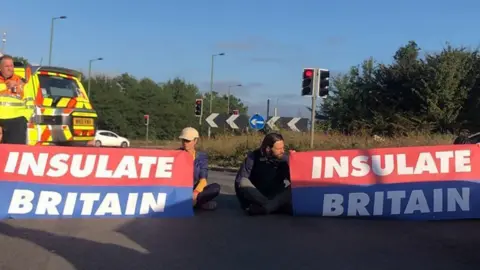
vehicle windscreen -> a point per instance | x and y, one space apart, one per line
56 87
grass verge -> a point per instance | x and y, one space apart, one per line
229 151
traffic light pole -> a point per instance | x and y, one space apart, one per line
146 130
201 115
315 92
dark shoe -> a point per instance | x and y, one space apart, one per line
255 210
210 206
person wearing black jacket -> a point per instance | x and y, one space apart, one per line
262 184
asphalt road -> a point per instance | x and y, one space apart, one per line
226 239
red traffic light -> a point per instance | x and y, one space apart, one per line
198 101
308 73
146 116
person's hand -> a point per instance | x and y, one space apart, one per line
11 84
195 195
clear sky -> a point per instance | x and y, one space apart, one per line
266 42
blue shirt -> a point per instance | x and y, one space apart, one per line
200 167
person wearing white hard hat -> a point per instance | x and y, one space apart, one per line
203 193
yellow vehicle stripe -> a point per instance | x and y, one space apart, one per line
67 133
49 111
84 114
83 138
46 133
47 102
63 102
83 127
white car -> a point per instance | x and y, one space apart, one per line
110 139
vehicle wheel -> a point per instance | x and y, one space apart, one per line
98 144
124 145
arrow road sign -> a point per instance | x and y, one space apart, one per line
271 122
242 121
211 120
221 120
257 122
291 124
302 124
231 121
296 124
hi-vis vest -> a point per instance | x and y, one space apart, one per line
12 105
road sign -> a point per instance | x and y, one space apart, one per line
271 122
256 122
211 120
291 124
296 124
231 121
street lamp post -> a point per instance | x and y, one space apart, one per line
211 88
90 72
51 37
4 41
228 97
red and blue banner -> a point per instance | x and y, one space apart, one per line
71 182
419 183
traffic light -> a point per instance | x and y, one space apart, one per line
198 107
235 112
146 118
307 83
324 82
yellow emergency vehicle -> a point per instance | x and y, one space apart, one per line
58 108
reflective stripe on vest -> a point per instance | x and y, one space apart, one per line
16 96
11 106
30 103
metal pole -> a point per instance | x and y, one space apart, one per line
228 100
146 135
268 108
201 114
90 72
51 43
211 92
146 130
4 42
89 76
276 108
314 103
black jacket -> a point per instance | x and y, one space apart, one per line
266 174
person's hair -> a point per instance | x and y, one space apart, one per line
270 139
462 139
5 56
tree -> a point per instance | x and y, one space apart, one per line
122 101
438 92
20 59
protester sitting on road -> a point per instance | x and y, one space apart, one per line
262 184
462 139
203 193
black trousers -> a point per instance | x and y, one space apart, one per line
209 193
248 195
14 130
